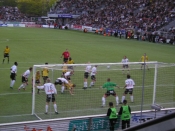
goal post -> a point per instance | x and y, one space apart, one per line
88 101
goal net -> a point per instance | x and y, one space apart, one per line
156 85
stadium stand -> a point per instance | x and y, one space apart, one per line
141 18
12 14
140 14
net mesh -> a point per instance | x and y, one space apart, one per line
89 101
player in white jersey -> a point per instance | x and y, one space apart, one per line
125 65
13 74
93 73
50 90
68 74
129 85
61 81
25 77
86 75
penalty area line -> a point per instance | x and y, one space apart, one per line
95 88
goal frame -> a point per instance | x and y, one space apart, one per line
51 66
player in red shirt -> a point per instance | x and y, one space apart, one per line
65 55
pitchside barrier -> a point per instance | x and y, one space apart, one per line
83 123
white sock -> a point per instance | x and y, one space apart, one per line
62 89
85 84
21 86
47 108
55 107
92 83
24 86
103 101
132 98
12 83
123 98
117 99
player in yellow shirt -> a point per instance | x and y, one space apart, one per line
70 86
6 53
64 68
45 73
70 61
37 80
144 58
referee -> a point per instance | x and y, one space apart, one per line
6 54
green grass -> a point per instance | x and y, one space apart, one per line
31 46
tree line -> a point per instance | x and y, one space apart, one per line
30 7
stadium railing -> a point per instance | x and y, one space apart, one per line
157 124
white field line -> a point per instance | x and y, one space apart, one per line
4 41
90 109
95 88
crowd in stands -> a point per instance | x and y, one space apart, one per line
12 14
147 15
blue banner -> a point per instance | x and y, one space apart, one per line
64 16
3 25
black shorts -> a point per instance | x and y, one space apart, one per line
13 76
86 75
110 92
93 77
45 78
58 82
67 78
125 66
130 91
6 55
24 80
50 97
37 81
65 59
144 64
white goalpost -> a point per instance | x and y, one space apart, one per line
158 87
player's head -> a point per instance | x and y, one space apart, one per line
30 68
66 50
124 101
38 72
108 79
95 65
70 58
124 57
73 85
6 46
48 80
46 63
15 63
110 104
128 76
144 54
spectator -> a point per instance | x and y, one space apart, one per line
125 112
112 114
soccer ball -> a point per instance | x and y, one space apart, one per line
108 67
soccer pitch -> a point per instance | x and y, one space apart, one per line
31 46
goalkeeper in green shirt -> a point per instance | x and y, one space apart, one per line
110 91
